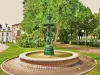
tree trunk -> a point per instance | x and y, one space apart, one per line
91 36
57 33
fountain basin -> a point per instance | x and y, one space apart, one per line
68 58
26 65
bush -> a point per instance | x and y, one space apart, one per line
28 41
78 42
63 36
93 43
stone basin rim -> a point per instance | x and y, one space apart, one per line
25 57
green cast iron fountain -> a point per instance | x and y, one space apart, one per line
49 50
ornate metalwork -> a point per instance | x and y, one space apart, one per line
49 48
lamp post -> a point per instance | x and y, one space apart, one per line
84 32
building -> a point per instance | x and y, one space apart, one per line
8 35
16 32
5 34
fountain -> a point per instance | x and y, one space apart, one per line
48 62
49 48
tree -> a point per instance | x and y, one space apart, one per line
68 15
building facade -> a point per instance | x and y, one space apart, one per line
10 35
5 34
16 32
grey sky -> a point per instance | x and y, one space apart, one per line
11 11
94 5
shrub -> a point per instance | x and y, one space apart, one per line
93 43
28 41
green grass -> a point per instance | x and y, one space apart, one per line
11 52
15 50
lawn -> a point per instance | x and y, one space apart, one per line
15 50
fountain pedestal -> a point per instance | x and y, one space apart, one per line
49 50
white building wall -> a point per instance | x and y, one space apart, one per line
5 37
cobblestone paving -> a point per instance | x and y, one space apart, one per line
16 67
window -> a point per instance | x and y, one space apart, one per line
7 34
13 28
2 39
18 33
8 28
2 34
3 29
17 26
6 39
14 34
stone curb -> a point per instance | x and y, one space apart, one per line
76 74
23 56
2 65
91 68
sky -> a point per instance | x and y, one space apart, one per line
94 5
11 11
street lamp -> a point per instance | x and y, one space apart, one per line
83 31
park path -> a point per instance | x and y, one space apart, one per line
3 47
85 49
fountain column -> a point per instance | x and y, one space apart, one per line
49 50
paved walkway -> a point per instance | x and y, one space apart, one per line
93 50
3 47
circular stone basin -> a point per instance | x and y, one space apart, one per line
35 63
39 55
60 57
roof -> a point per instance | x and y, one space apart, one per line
16 24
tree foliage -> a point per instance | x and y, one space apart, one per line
70 15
